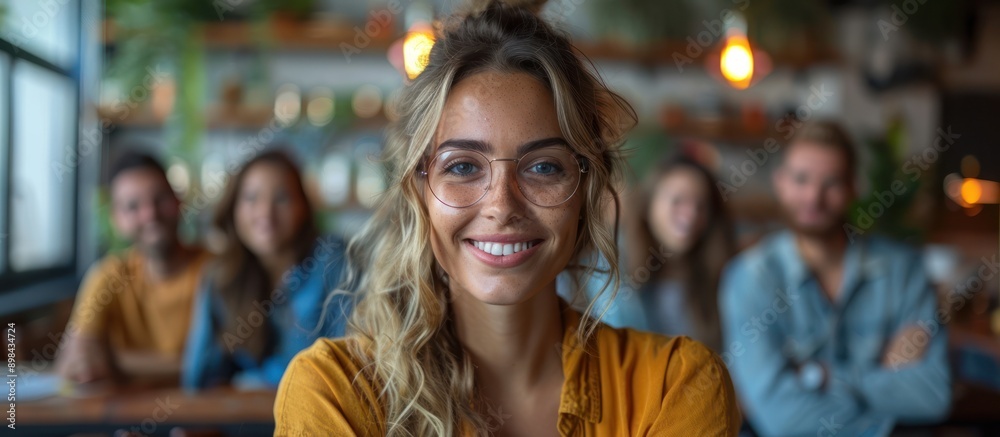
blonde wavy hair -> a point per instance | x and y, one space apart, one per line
403 333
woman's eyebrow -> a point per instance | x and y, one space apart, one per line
476 145
540 144
487 149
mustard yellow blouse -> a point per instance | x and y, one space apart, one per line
633 384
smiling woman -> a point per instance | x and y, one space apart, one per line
503 159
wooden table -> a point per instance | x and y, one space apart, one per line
150 411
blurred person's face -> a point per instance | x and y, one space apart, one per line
814 188
503 111
679 212
269 210
145 210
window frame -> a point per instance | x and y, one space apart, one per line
11 280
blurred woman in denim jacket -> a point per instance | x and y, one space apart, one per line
262 299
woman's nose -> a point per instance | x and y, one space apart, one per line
686 212
504 199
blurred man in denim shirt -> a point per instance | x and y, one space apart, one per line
831 333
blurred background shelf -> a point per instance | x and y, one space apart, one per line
278 33
337 35
215 118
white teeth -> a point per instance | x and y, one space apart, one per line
501 249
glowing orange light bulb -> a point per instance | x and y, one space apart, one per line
736 61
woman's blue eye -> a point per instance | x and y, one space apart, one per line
544 168
461 168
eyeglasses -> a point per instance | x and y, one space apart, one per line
546 177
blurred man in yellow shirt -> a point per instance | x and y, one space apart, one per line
132 313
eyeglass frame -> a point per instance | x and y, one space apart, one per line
422 171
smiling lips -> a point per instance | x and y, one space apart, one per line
501 249
502 254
